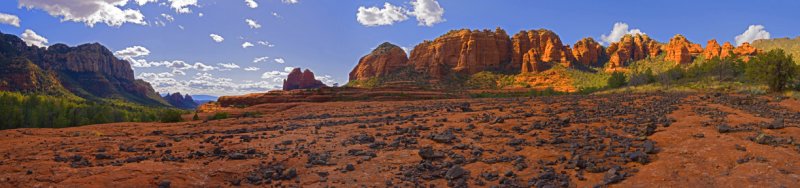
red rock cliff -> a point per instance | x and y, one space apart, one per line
539 46
385 59
631 48
462 51
588 52
298 79
678 50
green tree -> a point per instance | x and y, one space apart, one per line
616 80
774 68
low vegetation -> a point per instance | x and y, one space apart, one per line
19 110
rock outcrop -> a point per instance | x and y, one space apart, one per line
298 79
745 50
631 48
384 60
88 70
727 50
180 101
536 47
712 49
679 50
462 51
588 52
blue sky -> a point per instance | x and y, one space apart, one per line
328 37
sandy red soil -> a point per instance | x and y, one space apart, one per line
621 140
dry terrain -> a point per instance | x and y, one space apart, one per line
620 140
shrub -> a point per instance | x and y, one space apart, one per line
774 68
642 78
171 116
616 80
195 117
218 116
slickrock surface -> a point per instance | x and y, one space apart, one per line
621 140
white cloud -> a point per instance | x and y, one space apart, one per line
276 15
753 33
247 44
260 59
620 29
280 60
143 2
178 72
168 17
9 19
133 51
252 69
252 23
203 67
265 43
200 14
251 3
33 39
182 6
88 11
374 16
216 38
428 12
326 79
229 65
291 1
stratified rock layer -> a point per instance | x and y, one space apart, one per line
712 49
88 70
533 48
462 51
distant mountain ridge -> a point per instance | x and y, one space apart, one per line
89 71
181 101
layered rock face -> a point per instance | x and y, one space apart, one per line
631 48
180 101
88 70
462 51
678 50
712 49
535 48
22 75
588 52
745 50
384 60
298 79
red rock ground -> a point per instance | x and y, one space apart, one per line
622 140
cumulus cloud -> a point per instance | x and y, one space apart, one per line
33 39
280 60
252 23
375 16
753 33
620 29
216 38
247 44
260 59
9 19
291 1
133 51
251 3
252 69
88 11
204 83
182 6
428 12
143 2
229 65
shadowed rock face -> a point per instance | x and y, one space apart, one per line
384 60
88 70
632 48
462 51
180 101
588 52
298 79
533 48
